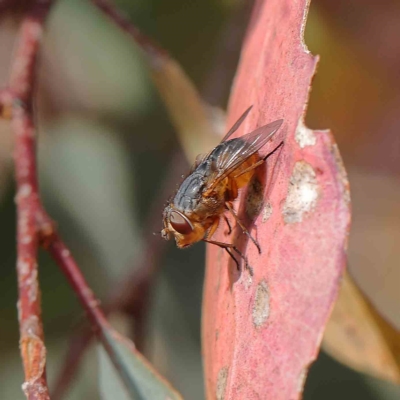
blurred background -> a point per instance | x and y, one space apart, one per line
106 145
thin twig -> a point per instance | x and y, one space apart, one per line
154 51
16 103
63 257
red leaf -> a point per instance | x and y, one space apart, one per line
261 331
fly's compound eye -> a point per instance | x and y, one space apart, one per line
180 223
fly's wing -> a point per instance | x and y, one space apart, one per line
231 157
236 125
201 157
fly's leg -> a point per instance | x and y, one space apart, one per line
229 225
233 257
244 229
227 248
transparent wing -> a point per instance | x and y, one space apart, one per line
230 155
201 157
236 125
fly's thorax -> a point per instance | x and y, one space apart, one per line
193 198
189 193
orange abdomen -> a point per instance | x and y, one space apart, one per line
239 178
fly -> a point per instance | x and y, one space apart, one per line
212 185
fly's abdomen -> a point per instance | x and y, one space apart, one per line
243 173
224 155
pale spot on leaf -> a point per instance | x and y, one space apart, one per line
302 194
267 212
221 383
261 308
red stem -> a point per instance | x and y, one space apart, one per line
62 255
18 101
150 48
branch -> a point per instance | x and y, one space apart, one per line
151 49
16 103
62 255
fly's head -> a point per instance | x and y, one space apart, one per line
180 226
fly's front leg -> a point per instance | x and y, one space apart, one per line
244 229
